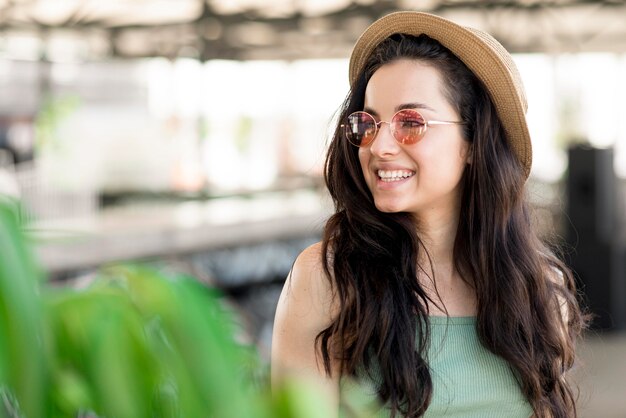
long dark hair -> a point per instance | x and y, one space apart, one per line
527 307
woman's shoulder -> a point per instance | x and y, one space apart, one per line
308 273
307 290
310 259
304 310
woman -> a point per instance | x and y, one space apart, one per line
430 284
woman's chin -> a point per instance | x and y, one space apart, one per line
390 207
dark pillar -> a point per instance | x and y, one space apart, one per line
594 233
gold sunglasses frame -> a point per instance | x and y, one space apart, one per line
427 123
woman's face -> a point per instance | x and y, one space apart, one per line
427 174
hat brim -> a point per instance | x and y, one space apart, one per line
480 52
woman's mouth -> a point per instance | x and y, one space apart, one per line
389 176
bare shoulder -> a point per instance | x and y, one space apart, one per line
309 267
310 259
304 310
307 291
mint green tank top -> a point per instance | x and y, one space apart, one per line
468 380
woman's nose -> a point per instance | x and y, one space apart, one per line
384 143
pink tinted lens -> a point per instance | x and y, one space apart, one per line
361 128
408 126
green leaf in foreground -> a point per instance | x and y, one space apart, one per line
21 360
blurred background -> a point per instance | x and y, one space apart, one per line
190 134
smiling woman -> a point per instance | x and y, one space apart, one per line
430 287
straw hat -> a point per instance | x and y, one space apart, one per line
482 54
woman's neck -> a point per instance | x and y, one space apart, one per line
437 231
453 293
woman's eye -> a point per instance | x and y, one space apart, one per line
412 123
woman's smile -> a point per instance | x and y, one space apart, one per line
389 176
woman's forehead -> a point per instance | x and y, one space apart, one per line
404 81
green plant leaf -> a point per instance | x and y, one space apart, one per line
21 359
136 343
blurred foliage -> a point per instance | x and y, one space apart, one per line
135 342
21 356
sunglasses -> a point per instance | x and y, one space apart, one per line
407 127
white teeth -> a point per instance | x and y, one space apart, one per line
394 175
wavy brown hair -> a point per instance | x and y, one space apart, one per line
527 307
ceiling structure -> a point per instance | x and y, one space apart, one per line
284 29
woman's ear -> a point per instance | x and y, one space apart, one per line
470 153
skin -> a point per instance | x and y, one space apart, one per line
304 309
432 194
